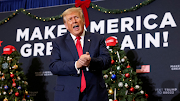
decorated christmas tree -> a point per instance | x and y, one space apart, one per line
13 84
121 80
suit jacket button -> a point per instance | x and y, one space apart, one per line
77 87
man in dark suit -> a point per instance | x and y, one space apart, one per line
71 66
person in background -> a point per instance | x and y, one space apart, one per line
78 59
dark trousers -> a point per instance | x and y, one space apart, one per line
83 96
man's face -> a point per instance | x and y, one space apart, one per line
74 23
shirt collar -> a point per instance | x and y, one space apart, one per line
82 35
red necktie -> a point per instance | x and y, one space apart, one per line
80 52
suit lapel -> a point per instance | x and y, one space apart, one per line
70 43
87 42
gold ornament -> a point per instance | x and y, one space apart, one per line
26 92
110 91
5 99
15 66
23 99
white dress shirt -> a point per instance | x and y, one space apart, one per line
82 44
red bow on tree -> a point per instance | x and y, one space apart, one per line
84 5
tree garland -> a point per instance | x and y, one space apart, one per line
119 11
101 9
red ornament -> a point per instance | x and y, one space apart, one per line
17 94
127 75
115 100
128 66
146 95
112 61
14 84
11 75
132 89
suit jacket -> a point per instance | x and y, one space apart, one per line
62 64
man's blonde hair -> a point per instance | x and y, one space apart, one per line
73 9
